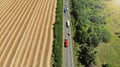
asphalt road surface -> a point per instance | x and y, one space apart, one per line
68 51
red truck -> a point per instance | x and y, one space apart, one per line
66 42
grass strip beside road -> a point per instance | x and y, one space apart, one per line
58 36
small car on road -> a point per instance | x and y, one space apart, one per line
68 23
68 33
66 43
65 10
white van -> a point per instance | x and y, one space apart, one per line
68 23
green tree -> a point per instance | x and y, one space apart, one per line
106 36
86 54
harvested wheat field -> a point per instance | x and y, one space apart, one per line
26 32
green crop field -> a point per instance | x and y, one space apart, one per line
110 53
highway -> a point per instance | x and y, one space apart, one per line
68 59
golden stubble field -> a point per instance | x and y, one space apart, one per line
26 32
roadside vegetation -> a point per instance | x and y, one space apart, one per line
88 18
58 39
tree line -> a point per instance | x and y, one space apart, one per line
88 21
